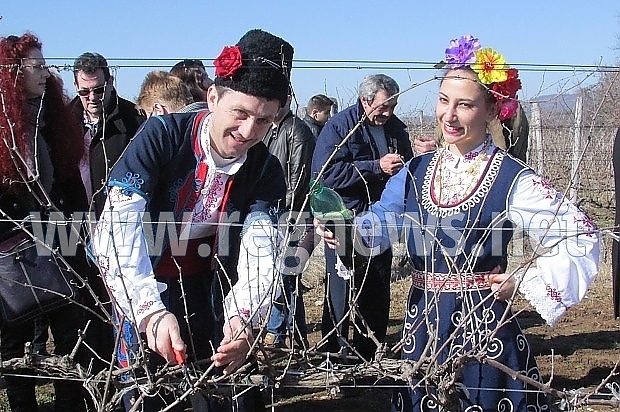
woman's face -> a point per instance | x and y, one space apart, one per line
35 73
463 110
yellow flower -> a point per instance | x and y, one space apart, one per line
490 66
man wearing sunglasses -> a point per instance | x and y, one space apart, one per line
109 122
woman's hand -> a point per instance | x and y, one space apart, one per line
502 284
328 236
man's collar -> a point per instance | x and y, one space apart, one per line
286 116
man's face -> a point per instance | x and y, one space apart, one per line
93 91
238 121
382 112
322 116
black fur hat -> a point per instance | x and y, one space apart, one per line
259 65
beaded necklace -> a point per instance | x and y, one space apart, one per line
453 184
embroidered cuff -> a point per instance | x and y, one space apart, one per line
145 310
543 297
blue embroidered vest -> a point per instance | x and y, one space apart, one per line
471 236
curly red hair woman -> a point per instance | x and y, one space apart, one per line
21 59
40 147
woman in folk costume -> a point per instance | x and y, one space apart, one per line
459 207
38 171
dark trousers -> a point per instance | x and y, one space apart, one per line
64 324
100 332
99 336
201 330
370 286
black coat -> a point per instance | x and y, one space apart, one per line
122 121
292 143
66 194
314 126
615 261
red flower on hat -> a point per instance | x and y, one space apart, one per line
227 63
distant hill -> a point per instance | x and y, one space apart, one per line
551 103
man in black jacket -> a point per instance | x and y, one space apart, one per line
374 150
109 122
318 112
292 142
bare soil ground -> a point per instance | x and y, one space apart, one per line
576 354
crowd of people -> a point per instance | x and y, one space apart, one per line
225 167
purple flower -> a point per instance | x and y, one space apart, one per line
461 51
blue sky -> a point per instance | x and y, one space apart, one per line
545 32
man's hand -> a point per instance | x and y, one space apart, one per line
163 335
391 163
328 236
234 348
424 144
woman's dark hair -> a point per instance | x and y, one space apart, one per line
194 75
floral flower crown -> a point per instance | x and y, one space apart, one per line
491 68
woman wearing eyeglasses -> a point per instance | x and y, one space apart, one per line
38 171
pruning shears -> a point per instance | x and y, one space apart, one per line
180 358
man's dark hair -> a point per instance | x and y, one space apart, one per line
179 68
319 102
89 63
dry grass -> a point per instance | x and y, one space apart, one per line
577 353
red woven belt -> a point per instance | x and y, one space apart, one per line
455 282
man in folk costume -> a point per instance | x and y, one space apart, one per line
197 297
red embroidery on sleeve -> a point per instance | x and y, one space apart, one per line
554 294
